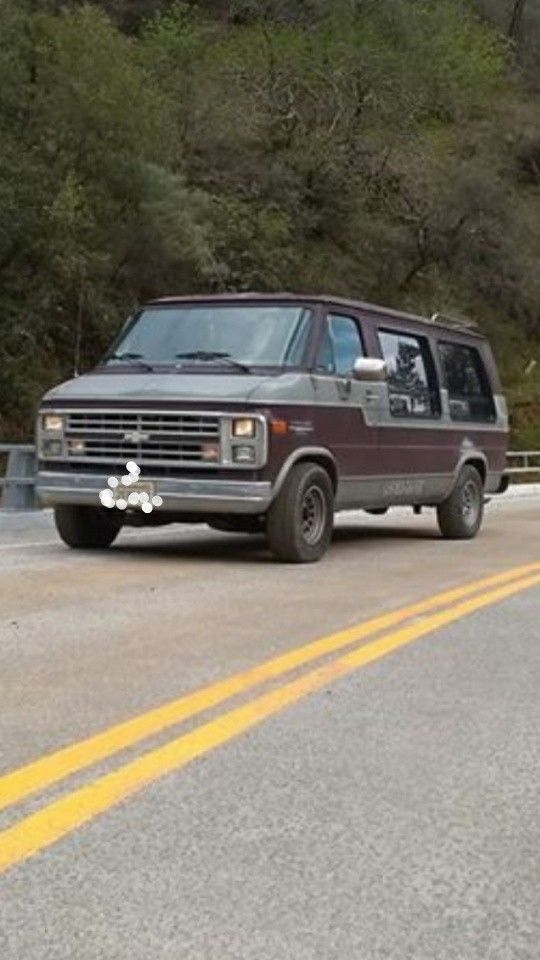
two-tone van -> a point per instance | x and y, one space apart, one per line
269 414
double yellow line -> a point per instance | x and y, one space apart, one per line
63 815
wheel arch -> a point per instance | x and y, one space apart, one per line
319 455
479 462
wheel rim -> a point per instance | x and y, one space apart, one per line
470 503
314 513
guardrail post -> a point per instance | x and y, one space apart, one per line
19 482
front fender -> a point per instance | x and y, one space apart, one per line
320 455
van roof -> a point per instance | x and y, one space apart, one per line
465 327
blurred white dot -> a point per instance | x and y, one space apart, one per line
144 497
133 499
107 498
113 482
132 467
127 481
121 504
157 501
147 508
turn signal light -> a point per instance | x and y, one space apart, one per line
77 446
210 452
279 427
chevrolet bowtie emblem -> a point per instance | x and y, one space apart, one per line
136 436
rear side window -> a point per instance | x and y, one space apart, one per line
469 391
342 345
412 378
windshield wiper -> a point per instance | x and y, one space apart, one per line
128 357
208 356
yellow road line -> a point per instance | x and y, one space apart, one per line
41 829
50 769
54 767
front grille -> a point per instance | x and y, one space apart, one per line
147 438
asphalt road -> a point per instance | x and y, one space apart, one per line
374 796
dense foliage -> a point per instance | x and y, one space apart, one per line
387 149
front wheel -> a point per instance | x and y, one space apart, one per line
86 528
460 516
301 518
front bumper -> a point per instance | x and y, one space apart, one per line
179 496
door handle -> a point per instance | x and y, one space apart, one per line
371 396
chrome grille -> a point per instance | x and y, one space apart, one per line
147 438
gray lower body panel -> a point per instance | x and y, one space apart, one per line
373 492
407 490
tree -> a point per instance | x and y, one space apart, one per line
379 148
518 9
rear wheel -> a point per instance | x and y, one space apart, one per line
301 518
460 516
86 528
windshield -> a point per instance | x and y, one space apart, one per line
265 335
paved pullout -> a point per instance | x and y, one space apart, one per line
393 814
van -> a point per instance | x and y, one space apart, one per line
269 414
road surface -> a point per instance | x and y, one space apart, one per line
206 755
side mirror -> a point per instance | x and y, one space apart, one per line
370 370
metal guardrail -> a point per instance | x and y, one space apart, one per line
17 488
528 461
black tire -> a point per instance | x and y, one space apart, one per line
86 528
301 519
460 516
237 524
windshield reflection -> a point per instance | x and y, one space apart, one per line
242 336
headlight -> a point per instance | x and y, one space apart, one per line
246 427
244 454
51 421
51 449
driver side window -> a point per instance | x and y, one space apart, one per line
342 345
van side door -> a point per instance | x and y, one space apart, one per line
415 459
342 403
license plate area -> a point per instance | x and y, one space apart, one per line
136 496
141 486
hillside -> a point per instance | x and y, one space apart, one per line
387 149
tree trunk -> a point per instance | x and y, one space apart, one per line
514 29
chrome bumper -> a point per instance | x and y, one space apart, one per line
179 496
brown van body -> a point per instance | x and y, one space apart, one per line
375 453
